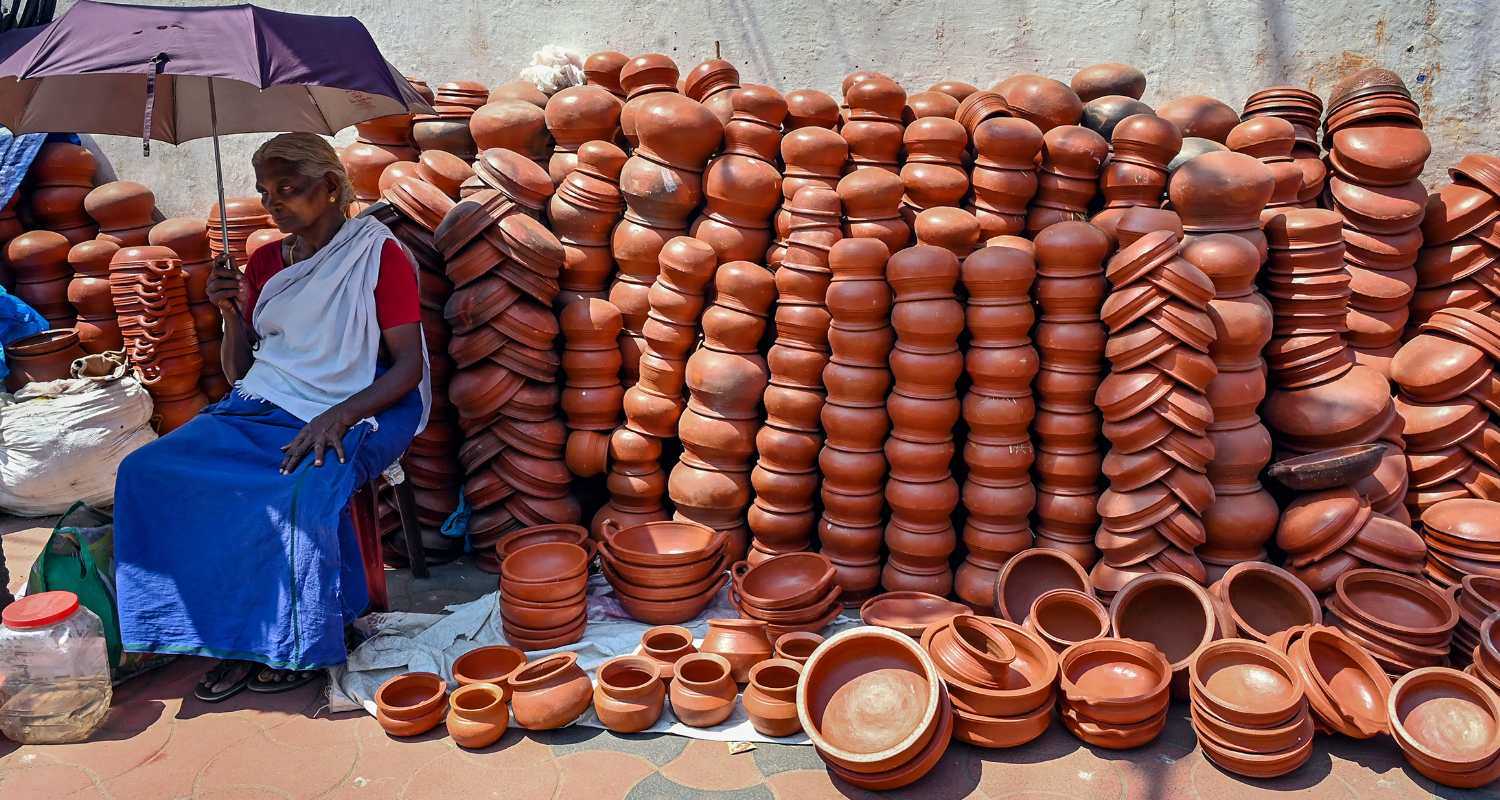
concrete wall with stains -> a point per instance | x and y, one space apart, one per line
1445 49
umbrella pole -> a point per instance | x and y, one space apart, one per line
213 121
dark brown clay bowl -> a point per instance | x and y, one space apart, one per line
1264 599
1031 573
1327 469
1446 718
1246 683
1114 680
488 665
908 612
663 543
1065 617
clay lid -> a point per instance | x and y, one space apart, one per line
1073 151
1317 524
1262 137
515 176
1469 519
1098 80
1135 261
652 72
1434 426
908 612
876 98
1450 262
931 104
709 77
393 173
1200 116
1103 115
1290 228
1221 191
602 69
810 108
1046 102
952 229
1457 209
1388 543
1123 394
421 202
1380 209
1141 220
1380 153
444 170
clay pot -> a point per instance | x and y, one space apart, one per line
490 665
1169 611
46 356
1264 600
771 698
629 693
702 690
663 544
1446 724
1327 469
1045 102
666 645
783 582
1200 116
1065 617
477 715
1030 574
1115 681
972 651
549 693
797 646
1346 688
411 704
1098 80
741 642
1401 605
1246 683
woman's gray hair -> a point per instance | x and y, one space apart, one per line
312 155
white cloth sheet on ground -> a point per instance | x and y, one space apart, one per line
407 642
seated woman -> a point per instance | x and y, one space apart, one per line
232 533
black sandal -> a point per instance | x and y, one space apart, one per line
205 689
274 681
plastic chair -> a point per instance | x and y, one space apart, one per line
366 513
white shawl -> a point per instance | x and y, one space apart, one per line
319 335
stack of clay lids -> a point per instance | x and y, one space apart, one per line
1460 242
1249 709
1478 598
150 297
1000 678
1324 534
1463 538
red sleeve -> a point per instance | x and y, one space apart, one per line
265 263
396 300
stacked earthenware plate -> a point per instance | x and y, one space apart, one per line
60 177
1000 679
448 129
1445 723
789 592
1403 622
1346 689
1478 597
188 238
1326 533
1463 538
244 216
151 302
1116 692
544 594
1249 709
1460 242
664 572
1485 656
1304 109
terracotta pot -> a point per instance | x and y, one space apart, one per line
411 704
972 651
490 665
629 693
743 643
662 544
47 356
1065 617
1031 573
477 715
1030 679
702 690
771 698
1246 683
666 645
549 693
1115 681
1430 740
1170 612
1346 688
797 646
1264 600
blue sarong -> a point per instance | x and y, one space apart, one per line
221 555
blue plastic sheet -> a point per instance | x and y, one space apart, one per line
17 321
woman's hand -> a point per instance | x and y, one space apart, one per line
224 286
325 432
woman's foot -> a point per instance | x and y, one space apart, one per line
271 681
225 680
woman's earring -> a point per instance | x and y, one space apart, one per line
333 198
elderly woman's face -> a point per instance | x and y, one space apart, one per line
295 201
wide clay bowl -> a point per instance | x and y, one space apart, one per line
1065 617
1265 599
1327 469
662 543
1246 683
784 582
545 562
908 612
652 586
915 767
1446 719
1354 685
1255 765
1398 604
1031 573
538 534
679 575
1168 610
1028 682
870 699
1292 734
488 665
996 733
1117 681
411 696
668 612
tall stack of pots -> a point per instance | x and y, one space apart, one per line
1136 174
124 210
1460 243
1068 178
582 212
933 173
576 116
713 83
39 262
1070 288
874 127
854 418
1004 170
782 518
742 185
244 216
1304 110
592 396
641 77
816 156
377 144
150 298
60 177
88 293
188 238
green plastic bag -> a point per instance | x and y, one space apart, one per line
80 558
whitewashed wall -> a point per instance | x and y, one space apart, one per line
1445 49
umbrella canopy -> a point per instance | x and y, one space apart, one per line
179 74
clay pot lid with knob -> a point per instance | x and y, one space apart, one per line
1245 683
1030 573
1446 718
810 108
1045 102
1098 80
1200 116
908 612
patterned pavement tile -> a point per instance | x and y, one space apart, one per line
172 771
36 776
524 769
600 775
656 749
305 770
660 787
709 766
1076 773
777 758
241 793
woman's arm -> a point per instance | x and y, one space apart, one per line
326 432
224 292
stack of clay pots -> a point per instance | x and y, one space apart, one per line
725 378
874 127
791 592
654 403
998 410
592 395
514 123
576 116
1070 287
1304 109
815 156
1243 517
1454 746
544 595
641 77
662 183
810 108
1000 679
124 211
1460 239
1271 140
1445 408
88 293
663 572
582 212
39 262
1377 151
924 408
377 144
854 418
1156 412
713 83
1068 178
1461 541
41 357
1249 709
602 69
60 177
933 173
742 185
244 216
1004 172
1115 692
151 301
188 238
448 129
872 208
1136 175
1478 599
1403 622
1328 532
782 518
1347 691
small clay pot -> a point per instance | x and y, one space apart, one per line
1031 573
1065 617
629 693
549 693
771 698
742 643
1115 681
488 665
411 704
703 690
477 715
666 645
797 646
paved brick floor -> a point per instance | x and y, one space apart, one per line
157 745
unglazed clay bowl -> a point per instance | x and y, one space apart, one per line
1031 573
784 582
869 699
1169 611
995 733
411 703
1399 605
1446 719
663 543
1327 469
654 576
908 612
1246 683
1288 735
1065 617
488 665
537 534
1354 685
1265 599
1116 681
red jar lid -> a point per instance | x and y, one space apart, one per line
40 610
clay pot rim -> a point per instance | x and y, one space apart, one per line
659 630
1029 553
692 658
465 679
796 636
535 673
1245 648
774 663
582 556
927 598
1457 680
1274 573
1073 597
496 695
1411 585
416 710
1140 652
649 666
1141 582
